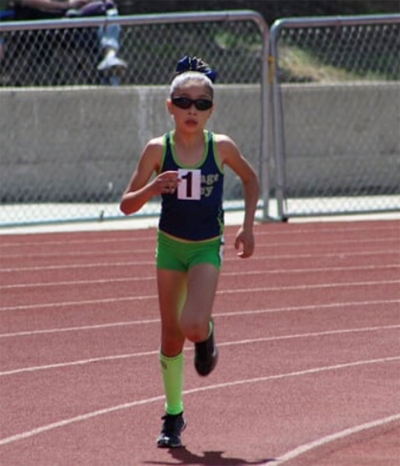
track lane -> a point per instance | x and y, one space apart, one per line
309 346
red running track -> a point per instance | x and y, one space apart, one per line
308 331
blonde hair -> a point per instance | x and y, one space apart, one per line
183 78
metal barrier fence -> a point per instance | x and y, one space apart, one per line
71 134
84 129
336 114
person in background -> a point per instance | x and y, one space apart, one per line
5 13
108 35
186 167
1 48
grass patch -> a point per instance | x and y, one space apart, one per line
301 65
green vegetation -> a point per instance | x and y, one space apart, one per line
299 65
226 40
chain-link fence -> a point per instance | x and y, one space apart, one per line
336 114
71 134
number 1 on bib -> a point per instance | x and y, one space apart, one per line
189 187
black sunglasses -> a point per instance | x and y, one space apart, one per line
185 103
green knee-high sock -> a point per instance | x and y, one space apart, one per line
172 375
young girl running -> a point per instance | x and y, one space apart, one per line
188 164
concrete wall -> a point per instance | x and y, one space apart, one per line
82 143
342 139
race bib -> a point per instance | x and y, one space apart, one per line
189 187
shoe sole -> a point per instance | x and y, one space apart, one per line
117 70
169 445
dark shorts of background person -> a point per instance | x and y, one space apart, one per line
180 255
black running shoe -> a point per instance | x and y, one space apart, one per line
173 426
205 355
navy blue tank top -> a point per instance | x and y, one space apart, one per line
193 214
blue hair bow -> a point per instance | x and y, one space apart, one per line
195 64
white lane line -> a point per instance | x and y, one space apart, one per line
127 323
100 412
82 362
128 250
221 344
96 239
82 328
223 274
77 266
267 257
90 253
312 335
82 282
331 438
78 303
220 292
134 237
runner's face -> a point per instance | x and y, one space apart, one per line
190 119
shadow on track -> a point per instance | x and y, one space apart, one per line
209 458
